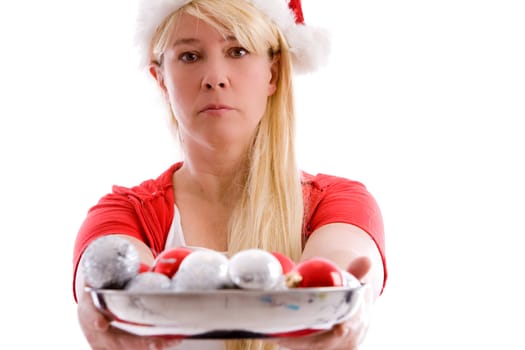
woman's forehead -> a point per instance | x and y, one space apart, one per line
189 29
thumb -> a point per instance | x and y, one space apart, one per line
101 323
359 267
89 314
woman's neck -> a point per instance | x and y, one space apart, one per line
216 180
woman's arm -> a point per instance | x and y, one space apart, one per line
343 244
356 252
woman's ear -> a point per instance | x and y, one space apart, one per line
155 71
274 71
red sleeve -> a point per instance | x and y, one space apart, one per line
144 212
337 200
147 220
113 214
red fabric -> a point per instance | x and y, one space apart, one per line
146 211
330 199
295 6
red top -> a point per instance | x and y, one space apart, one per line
146 211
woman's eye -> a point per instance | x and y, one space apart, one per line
238 52
188 57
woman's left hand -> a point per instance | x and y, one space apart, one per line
344 336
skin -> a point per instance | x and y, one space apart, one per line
202 68
352 249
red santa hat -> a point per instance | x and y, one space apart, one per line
309 45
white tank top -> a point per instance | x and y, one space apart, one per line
175 236
176 239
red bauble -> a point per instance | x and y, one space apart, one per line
319 272
168 261
143 267
287 264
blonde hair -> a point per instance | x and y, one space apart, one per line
269 214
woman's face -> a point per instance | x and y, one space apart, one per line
217 89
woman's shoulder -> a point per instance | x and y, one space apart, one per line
322 181
336 199
334 193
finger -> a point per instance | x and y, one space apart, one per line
323 340
119 339
327 340
89 315
349 335
101 335
341 330
157 343
359 267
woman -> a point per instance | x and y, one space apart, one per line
225 71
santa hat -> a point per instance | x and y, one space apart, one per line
309 45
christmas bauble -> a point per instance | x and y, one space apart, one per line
202 270
255 269
110 262
287 264
149 282
168 261
319 272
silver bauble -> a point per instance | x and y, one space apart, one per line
149 282
256 269
202 270
110 262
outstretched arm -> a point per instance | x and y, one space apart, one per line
343 244
355 251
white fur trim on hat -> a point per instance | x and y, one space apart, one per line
309 45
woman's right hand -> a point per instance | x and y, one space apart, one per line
102 336
97 329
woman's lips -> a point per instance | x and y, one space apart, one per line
215 109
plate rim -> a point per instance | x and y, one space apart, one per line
98 297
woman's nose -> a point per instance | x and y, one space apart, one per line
216 76
210 86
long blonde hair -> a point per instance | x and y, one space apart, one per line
269 214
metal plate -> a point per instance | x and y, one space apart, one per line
228 313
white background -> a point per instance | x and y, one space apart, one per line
423 101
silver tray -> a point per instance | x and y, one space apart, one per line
228 313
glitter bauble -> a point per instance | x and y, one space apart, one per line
202 270
110 262
149 282
255 269
168 261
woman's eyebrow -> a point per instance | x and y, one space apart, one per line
187 41
183 41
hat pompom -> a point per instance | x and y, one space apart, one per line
310 47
